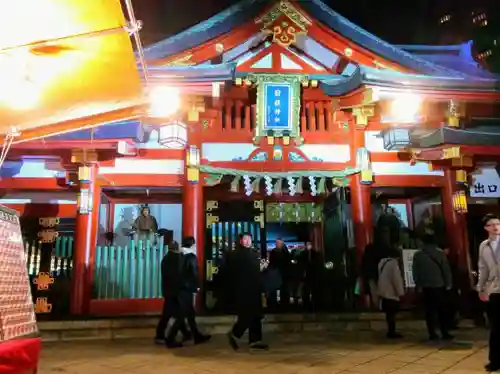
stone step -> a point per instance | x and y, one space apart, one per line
144 327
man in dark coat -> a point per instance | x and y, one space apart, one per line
312 266
244 274
191 287
172 267
280 259
179 283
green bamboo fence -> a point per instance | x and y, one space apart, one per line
129 272
61 258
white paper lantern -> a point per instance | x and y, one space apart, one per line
172 135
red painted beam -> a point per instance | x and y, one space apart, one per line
44 210
34 184
491 150
56 145
280 166
141 180
408 181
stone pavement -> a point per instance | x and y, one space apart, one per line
304 353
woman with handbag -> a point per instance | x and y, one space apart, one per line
390 289
488 285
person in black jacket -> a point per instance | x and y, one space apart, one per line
244 274
280 259
191 287
172 267
312 266
178 289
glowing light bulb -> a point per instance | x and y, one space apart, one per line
405 107
164 101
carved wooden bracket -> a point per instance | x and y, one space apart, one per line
362 114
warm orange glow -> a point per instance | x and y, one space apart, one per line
84 67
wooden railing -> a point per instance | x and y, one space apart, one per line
237 120
129 272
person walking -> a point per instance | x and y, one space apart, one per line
244 274
432 275
488 285
280 259
191 287
172 266
390 289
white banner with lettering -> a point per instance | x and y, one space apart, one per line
485 183
408 267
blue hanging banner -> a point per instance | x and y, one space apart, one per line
278 106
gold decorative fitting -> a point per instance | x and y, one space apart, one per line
270 140
452 152
362 114
48 236
43 281
305 83
211 205
348 52
314 83
284 22
48 221
455 111
286 140
42 305
248 82
238 81
258 204
260 219
182 61
211 220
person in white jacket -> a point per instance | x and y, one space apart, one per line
390 289
488 285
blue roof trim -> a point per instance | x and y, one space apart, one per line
338 85
346 28
204 31
200 73
117 130
423 47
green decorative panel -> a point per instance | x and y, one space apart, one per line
294 212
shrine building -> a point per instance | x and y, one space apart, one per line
294 123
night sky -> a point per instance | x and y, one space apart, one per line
396 21
393 20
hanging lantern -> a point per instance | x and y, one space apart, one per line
461 177
84 174
396 138
460 202
172 135
193 157
364 165
85 201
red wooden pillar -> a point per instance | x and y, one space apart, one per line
193 215
456 228
360 201
361 215
80 286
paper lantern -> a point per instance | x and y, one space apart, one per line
172 135
460 202
396 138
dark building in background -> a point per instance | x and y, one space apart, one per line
460 21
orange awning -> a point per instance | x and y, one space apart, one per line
64 65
